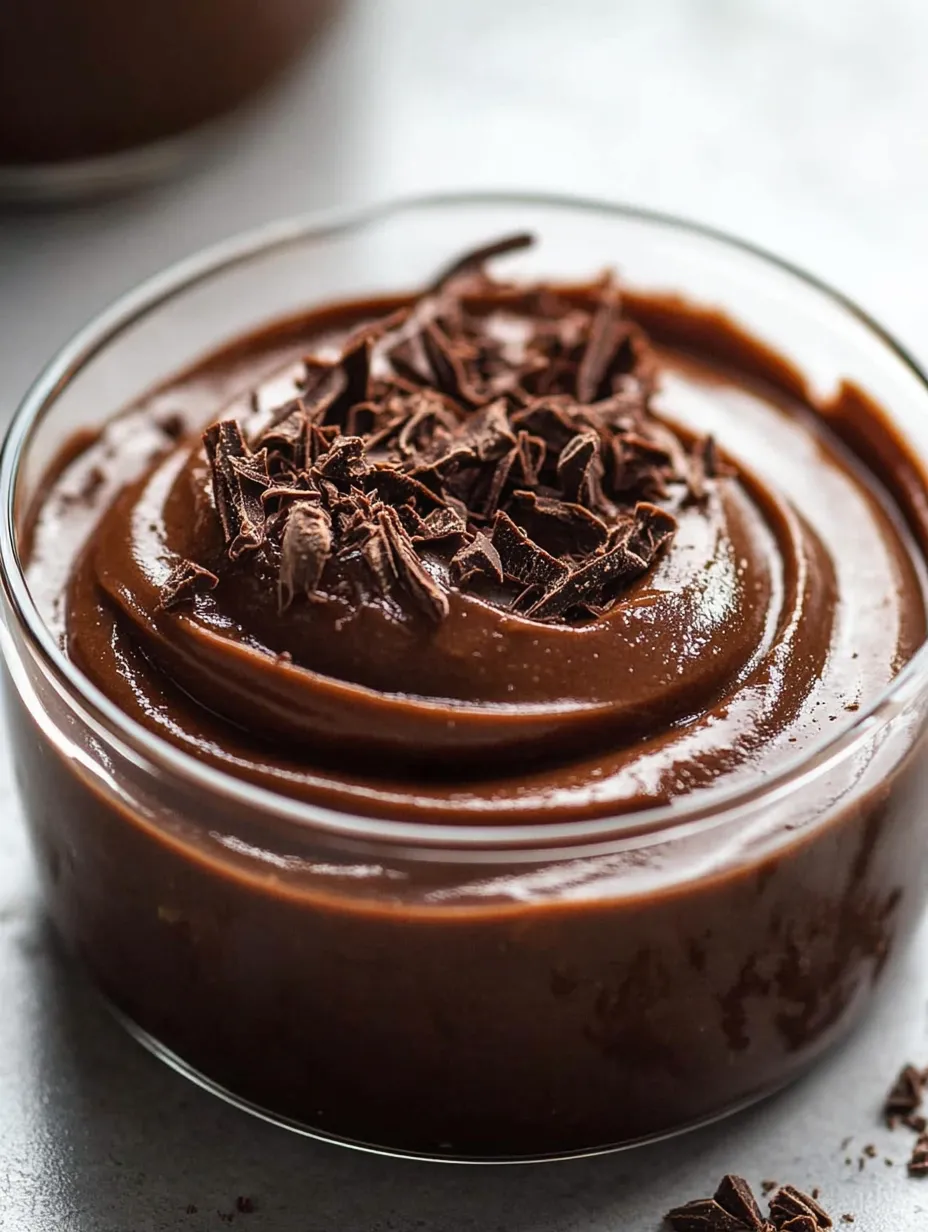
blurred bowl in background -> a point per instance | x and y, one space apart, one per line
99 95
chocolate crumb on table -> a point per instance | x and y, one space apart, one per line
902 1107
244 1205
734 1208
905 1095
918 1161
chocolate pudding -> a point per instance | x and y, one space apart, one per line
492 555
80 79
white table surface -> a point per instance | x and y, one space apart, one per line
800 125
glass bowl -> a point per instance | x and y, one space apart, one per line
484 993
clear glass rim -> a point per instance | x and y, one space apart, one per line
674 821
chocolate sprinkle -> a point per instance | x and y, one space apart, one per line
439 454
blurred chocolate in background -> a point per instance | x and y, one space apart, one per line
96 93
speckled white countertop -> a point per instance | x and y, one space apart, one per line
802 126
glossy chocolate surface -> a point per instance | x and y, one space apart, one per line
784 597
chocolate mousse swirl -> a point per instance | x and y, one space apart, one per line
431 456
474 556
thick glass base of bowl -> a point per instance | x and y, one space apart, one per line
343 997
318 1134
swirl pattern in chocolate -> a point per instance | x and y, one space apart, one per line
475 556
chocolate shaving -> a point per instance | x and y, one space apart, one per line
550 420
344 460
395 488
735 1196
789 1203
643 465
580 468
478 257
442 450
284 494
479 558
306 546
905 1096
918 1161
448 371
607 333
287 431
323 386
355 366
560 527
521 559
238 483
734 1208
704 465
441 524
489 432
430 421
530 456
252 468
409 360
587 585
703 1215
653 528
412 574
185 581
376 553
